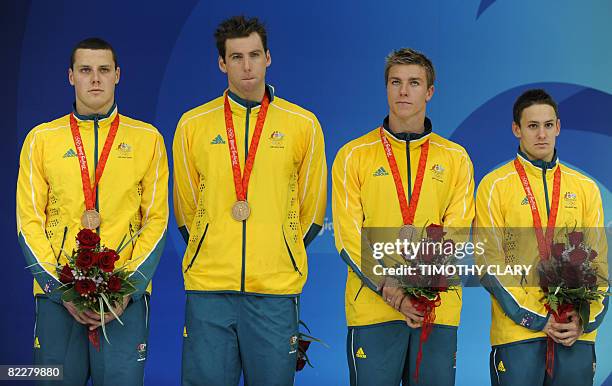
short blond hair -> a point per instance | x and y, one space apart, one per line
410 56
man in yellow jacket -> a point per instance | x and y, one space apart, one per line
249 196
383 331
536 191
131 195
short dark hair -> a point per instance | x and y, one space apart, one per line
410 56
93 44
536 96
239 27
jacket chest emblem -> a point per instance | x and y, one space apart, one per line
277 140
124 150
569 200
437 172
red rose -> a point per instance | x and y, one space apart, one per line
572 276
106 261
435 232
427 254
113 253
557 250
301 357
304 344
592 254
65 275
548 274
299 365
86 259
590 280
448 247
578 256
87 239
575 238
84 287
114 284
440 283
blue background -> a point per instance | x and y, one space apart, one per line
327 57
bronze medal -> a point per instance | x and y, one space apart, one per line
241 210
407 232
90 219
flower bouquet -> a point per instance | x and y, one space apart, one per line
569 281
91 282
435 252
303 343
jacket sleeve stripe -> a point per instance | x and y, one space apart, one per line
42 223
148 266
44 277
347 259
316 209
159 154
313 231
187 168
592 326
520 315
345 168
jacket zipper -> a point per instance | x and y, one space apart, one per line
295 267
545 189
96 165
409 172
197 249
244 227
59 253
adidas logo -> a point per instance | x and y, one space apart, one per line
36 343
525 201
501 367
185 331
70 153
360 353
217 141
380 172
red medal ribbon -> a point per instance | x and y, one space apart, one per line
88 191
94 338
241 184
544 241
408 210
428 308
560 317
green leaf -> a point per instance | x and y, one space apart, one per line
304 324
110 308
313 339
132 238
102 320
70 295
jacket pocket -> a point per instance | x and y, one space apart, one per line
195 255
291 255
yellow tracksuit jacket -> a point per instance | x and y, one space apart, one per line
504 223
364 196
265 254
132 193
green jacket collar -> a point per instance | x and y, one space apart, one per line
93 117
247 103
408 136
538 163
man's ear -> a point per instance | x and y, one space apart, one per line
222 65
516 130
